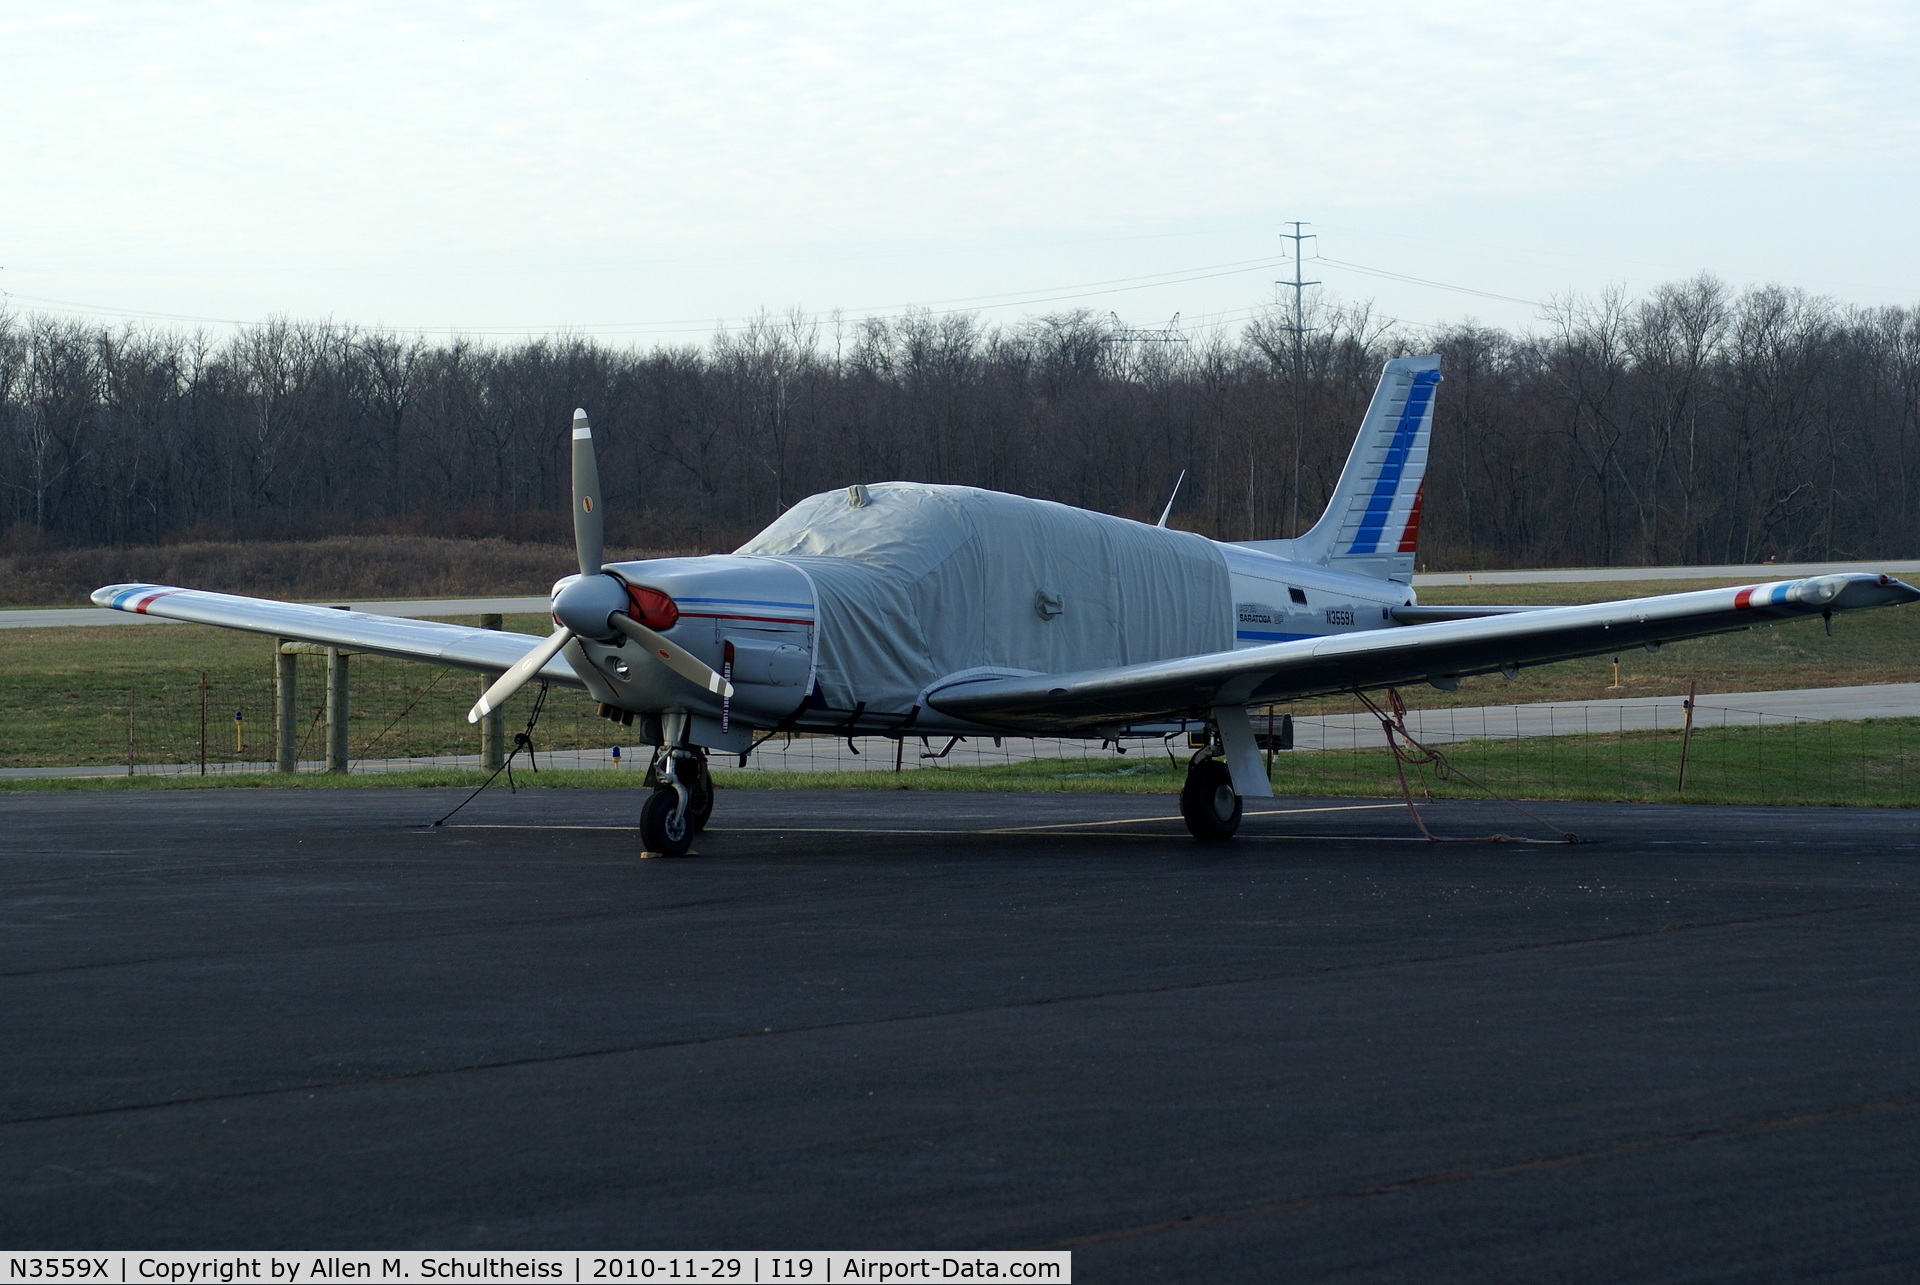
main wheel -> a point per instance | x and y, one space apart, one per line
699 792
1207 802
660 833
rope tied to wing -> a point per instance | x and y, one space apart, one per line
1408 751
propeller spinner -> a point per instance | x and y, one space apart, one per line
595 604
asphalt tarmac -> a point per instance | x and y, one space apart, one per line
1328 1051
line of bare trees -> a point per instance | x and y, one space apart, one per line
1692 425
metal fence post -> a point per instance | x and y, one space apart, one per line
493 725
286 707
336 710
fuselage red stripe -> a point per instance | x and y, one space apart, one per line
715 615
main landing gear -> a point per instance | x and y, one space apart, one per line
1208 803
680 804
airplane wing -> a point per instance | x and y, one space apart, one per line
1441 653
486 651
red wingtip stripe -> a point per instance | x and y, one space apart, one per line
1742 601
142 605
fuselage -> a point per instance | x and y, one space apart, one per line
758 619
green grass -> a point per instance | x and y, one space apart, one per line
1871 763
64 697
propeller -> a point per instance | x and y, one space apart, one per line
594 604
589 527
677 658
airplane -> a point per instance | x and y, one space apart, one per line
898 608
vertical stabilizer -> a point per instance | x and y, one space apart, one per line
1372 524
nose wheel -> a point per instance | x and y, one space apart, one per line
680 804
664 831
1208 803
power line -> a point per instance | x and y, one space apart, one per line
1422 281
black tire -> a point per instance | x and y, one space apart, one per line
1207 802
699 792
658 834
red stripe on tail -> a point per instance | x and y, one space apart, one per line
1410 538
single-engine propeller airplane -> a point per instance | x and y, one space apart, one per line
901 607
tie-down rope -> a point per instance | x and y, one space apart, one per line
1393 724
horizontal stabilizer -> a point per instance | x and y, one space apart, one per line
1434 615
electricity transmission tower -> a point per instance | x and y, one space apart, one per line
1122 333
1299 360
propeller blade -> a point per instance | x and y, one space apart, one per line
523 669
589 529
677 658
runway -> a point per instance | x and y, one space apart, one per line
1328 1051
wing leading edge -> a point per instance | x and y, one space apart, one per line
486 651
1376 658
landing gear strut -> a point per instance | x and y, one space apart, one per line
681 801
1208 803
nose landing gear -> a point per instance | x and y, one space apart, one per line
680 804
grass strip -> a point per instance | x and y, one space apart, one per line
1874 763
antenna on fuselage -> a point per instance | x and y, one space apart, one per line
1166 512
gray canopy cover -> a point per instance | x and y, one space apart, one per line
915 583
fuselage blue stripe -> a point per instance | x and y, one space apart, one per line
1266 637
1386 489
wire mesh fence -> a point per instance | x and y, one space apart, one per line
408 715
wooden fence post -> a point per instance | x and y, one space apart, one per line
286 702
1686 738
493 724
336 710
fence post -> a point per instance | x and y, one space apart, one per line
203 722
130 731
493 725
336 710
286 707
1686 737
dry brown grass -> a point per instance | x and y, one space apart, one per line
344 566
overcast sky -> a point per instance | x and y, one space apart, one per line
643 171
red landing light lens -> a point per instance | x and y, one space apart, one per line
652 608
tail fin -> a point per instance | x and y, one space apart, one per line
1372 524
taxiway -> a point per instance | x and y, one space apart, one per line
1328 1051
